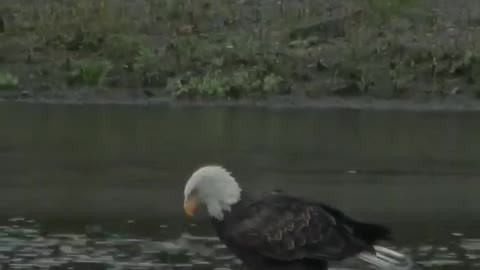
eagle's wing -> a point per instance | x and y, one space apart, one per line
285 228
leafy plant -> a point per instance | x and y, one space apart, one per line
8 81
217 84
271 83
90 72
245 82
212 85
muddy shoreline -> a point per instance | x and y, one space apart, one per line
460 104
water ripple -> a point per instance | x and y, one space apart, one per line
24 246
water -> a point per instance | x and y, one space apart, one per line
101 187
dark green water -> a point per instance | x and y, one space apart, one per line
124 167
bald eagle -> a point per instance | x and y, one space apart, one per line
277 231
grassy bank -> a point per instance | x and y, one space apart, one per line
231 50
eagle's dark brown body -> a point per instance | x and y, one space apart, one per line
283 232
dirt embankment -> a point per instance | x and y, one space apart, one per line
316 53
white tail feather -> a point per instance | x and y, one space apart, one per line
386 258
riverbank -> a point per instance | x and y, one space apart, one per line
457 104
357 54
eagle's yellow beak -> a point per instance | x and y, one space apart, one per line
190 205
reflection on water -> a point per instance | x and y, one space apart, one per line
24 244
68 166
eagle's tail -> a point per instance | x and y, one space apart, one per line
386 258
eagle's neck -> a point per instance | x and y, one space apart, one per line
236 212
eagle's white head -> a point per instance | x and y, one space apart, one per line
212 186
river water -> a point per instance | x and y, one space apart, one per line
101 187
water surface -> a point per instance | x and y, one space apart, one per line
119 171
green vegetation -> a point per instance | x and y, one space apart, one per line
233 85
90 72
211 49
8 81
